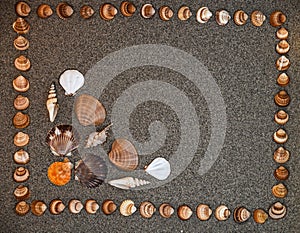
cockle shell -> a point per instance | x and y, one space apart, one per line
59 173
21 102
21 120
257 18
91 206
91 170
203 212
21 84
166 210
203 15
108 11
124 155
281 155
108 207
97 138
241 214
75 206
159 168
38 207
147 209
282 33
222 213
277 211
22 193
283 79
127 8
222 17
165 13
184 13
184 212
281 173
21 26
22 63
260 216
56 207
280 136
279 190
128 182
282 63
282 47
21 157
64 10
51 103
22 208
147 11
21 139
86 12
21 174
21 43
62 140
44 11
22 9
277 18
127 208
71 81
240 17
281 117
282 98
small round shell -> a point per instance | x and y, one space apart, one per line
22 63
283 47
280 136
222 213
59 173
281 117
75 206
184 212
21 139
21 174
203 212
282 98
277 18
281 173
64 10
257 18
281 155
21 120
277 211
147 209
147 11
44 11
108 11
21 193
21 26
56 207
108 207
91 206
21 157
282 63
86 12
165 13
283 79
38 207
279 190
166 210
241 214
21 84
22 208
184 13
127 8
21 43
127 208
22 9
21 102
203 15
260 216
282 33
240 17
222 17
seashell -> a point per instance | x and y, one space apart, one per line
59 173
165 13
91 206
240 17
21 157
21 26
159 168
128 182
21 120
21 102
260 216
75 206
281 117
166 210
282 33
21 43
71 81
90 171
282 63
147 209
281 155
56 207
147 11
277 211
97 138
283 79
279 190
241 214
184 13
108 11
222 17
203 15
21 139
22 193
124 155
281 173
282 47
38 208
203 212
62 139
222 213
21 84
127 8
22 9
127 208
21 174
51 103
257 18
44 11
108 207
86 12
277 18
64 10
22 63
280 136
22 208
282 98
184 212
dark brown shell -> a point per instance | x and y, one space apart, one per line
241 214
21 193
22 208
21 26
282 98
44 11
38 207
281 173
277 18
127 8
108 11
86 12
108 207
64 10
240 17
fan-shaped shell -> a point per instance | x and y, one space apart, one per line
22 208
280 136
147 209
22 193
56 207
282 63
128 182
281 117
127 8
22 63
75 206
91 206
21 139
108 207
21 102
21 26
281 155
277 211
21 157
21 43
21 84
38 207
124 155
222 213
127 208
71 81
21 120
277 18
22 9
281 173
166 210
240 17
184 212
222 17
203 15
64 10
282 33
21 174
108 11
241 214
51 103
282 98
59 173
283 79
44 11
260 216
147 11
159 168
279 190
257 18
203 212
184 13
86 12
283 47
165 13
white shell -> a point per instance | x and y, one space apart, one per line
51 103
97 138
159 168
128 182
71 81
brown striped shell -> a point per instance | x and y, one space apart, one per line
279 190
21 157
281 173
38 207
21 43
21 102
127 208
203 15
282 33
56 206
75 206
283 79
280 136
21 193
281 155
165 13
281 117
260 216
277 211
22 208
44 11
241 214
59 173
184 212
64 10
257 18
282 63
86 12
22 9
184 13
127 8
277 18
240 17
147 209
282 98
91 206
147 11
21 120
21 84
21 26
282 47
203 212
108 207
21 139
21 174
108 11
22 63
222 213
166 210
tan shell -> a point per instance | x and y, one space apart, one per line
257 18
282 99
281 173
147 209
44 11
147 11
277 18
127 208
184 212
22 63
21 139
22 193
21 174
222 17
108 11
282 63
165 13
124 155
282 33
277 211
279 190
283 79
203 15
21 26
64 10
127 8
280 136
38 208
22 208
91 206
281 155
21 157
21 120
241 214
59 173
22 9
203 212
166 210
222 213
240 17
184 13
52 103
21 43
56 206
281 117
108 207
75 206
21 102
86 12
283 47
21 84
260 216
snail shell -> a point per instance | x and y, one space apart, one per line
277 211
22 9
22 208
21 139
22 193
44 11
75 206
280 136
203 15
279 190
184 212
21 84
282 63
38 208
241 214
184 13
22 63
281 155
282 33
283 79
21 174
108 207
59 173
222 213
21 102
21 157
56 207
222 17
86 12
64 10
165 13
108 11
147 11
166 210
21 26
21 120
260 216
21 43
127 208
277 18
282 47
51 103
147 209
281 173
257 18
203 212
127 8
282 98
240 17
281 117
128 182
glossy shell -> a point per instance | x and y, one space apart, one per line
282 63
277 18
22 208
147 209
21 174
75 206
21 157
128 183
56 207
279 190
184 13
21 102
282 99
166 210
203 212
203 15
282 33
21 120
257 18
21 193
38 207
281 155
277 211
280 136
44 11
71 81
51 103
108 207
22 63
260 216
281 173
222 17
91 206
241 214
240 17
165 13
127 208
127 8
64 10
147 11
21 26
283 79
21 84
21 43
108 11
22 9
222 213
86 12
159 168
59 173
184 212
21 139
281 117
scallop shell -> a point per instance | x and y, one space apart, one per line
75 206
147 11
203 15
44 11
184 13
282 63
241 214
222 17
281 173
62 139
56 207
21 139
21 174
281 117
166 210
124 155
159 168
21 157
147 209
90 171
280 136
281 155
277 211
22 193
51 103
108 207
21 43
257 18
59 173
282 47
97 138
222 213
165 13
240 17
128 182
127 208
260 216
283 79
22 9
108 11
22 63
38 208
282 99
91 206
127 8
21 120
71 81
89 110
277 18
64 10
279 190
21 84
184 212
21 102
203 212
282 33
21 26
86 12
22 208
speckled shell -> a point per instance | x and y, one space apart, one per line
282 63
203 212
91 206
21 84
277 211
281 155
203 15
279 190
240 17
147 11
75 206
22 208
44 11
165 13
260 216
128 182
21 157
86 12
21 102
59 173
282 47
280 136
147 209
166 210
127 208
222 213
21 139
108 207
277 18
22 9
21 26
282 98
56 207
21 193
184 13
38 207
21 174
64 10
281 173
257 18
51 103
21 120
283 79
22 63
241 214
21 43
281 117
184 212
127 8
222 17
282 33
108 11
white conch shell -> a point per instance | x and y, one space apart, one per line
51 103
97 138
71 81
159 168
128 182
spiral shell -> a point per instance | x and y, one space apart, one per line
277 18
64 10
21 102
184 212
279 190
203 15
22 63
282 99
21 174
280 136
282 63
108 11
38 208
21 193
147 209
127 8
281 155
21 43
257 18
283 79
22 208
91 206
21 139
165 13
277 211
241 214
240 17
127 208
75 206
281 173
222 17
128 182
166 210
108 207
21 120
22 9
222 213
21 26
281 117
21 157
282 47
59 173
44 11
203 212
282 33
184 13
147 11
51 103
21 84
260 216
86 12
56 206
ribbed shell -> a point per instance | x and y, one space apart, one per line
21 102
21 26
127 8
166 210
56 207
21 120
277 211
91 206
222 17
128 182
22 9
203 15
147 11
71 81
280 136
165 13
44 11
147 209
22 208
127 208
51 103
21 84
21 174
281 173
282 99
281 117
184 212
75 206
21 139
64 10
279 190
21 193
222 213
260 216
86 12
38 207
241 214
282 63
277 18
108 11
22 63
283 79
108 207
257 18
21 43
240 17
203 212
184 13
281 155
282 33
21 157
59 173
282 47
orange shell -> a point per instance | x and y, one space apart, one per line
59 173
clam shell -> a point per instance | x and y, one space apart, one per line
108 207
222 17
240 17
21 43
222 213
241 214
21 120
124 155
64 10
281 173
21 84
91 206
281 117
51 103
147 11
281 155
62 140
283 79
184 212
203 212
280 136
56 207
257 18
277 211
71 81
75 206
184 13
260 216
203 15
282 33
165 13
22 63
22 9
44 11
21 26
21 174
147 209
21 157
159 168
128 182
282 99
283 47
97 138
277 18
38 208
166 210
22 193
127 208
21 139
91 170
22 208
21 102
86 12
127 8
279 190
59 173
108 11
282 63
